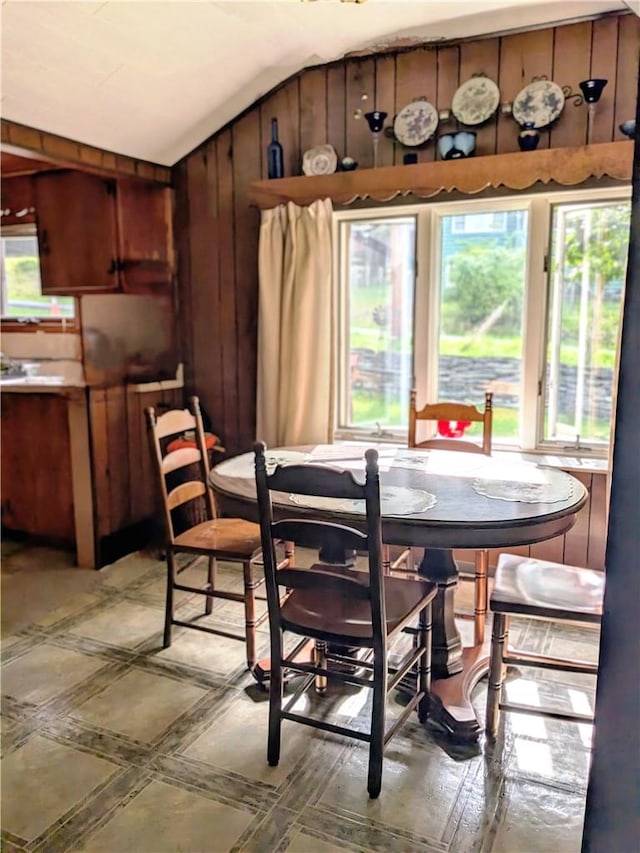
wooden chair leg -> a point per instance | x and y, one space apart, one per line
211 585
480 596
499 638
386 560
320 659
376 747
250 586
168 617
275 702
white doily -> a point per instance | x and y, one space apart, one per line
394 500
551 486
244 467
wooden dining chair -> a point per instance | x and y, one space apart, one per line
456 415
230 539
551 591
339 608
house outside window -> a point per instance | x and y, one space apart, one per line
519 296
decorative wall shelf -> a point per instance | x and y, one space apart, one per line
516 171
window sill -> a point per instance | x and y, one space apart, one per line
56 326
585 464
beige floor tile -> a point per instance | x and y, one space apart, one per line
123 624
42 780
47 671
237 741
218 655
74 606
539 819
302 843
164 819
130 569
139 705
416 795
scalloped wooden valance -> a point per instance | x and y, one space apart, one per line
516 171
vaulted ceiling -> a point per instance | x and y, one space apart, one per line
152 80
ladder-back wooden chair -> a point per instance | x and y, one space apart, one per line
458 414
230 539
543 590
338 607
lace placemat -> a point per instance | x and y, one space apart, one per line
244 467
394 500
545 486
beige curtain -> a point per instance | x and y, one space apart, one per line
296 326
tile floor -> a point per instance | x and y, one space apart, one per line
111 743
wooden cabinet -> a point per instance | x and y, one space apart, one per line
37 489
99 235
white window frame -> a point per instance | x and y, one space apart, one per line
428 217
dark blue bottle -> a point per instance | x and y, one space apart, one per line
274 153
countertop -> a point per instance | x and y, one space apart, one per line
39 385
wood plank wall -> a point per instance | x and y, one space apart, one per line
217 232
125 492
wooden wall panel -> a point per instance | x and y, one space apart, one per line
222 372
604 43
571 64
284 105
313 109
417 77
360 80
98 425
118 450
338 111
627 71
385 67
246 135
481 57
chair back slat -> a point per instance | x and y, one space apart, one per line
449 411
184 493
312 534
176 422
177 459
317 480
322 481
173 422
325 581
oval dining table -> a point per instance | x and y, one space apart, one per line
438 500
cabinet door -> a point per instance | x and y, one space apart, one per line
145 236
37 491
76 217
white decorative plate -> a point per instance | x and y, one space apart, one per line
321 160
415 123
539 103
475 101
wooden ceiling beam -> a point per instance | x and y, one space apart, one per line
38 145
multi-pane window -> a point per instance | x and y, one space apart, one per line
520 297
20 275
588 263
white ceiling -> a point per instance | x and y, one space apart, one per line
154 79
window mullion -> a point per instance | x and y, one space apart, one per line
532 397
